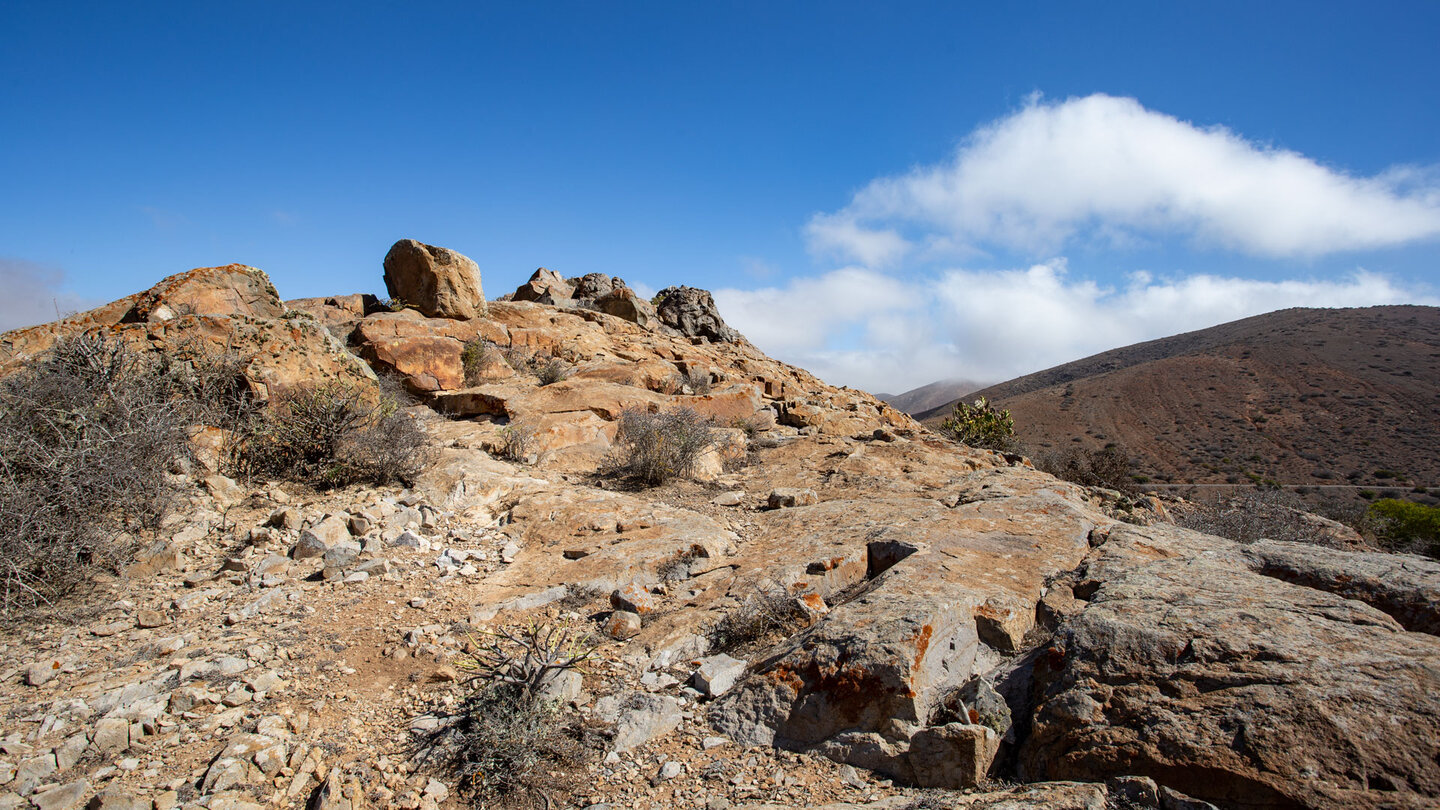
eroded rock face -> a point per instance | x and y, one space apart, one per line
1233 686
437 281
693 313
869 677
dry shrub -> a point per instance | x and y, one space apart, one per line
517 443
332 436
1262 514
697 381
87 436
767 611
1108 468
501 746
506 741
653 448
552 370
546 369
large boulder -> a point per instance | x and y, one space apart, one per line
595 285
1186 664
437 281
692 312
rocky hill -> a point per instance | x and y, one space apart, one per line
1300 396
840 610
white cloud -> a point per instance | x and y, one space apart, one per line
1107 169
33 295
873 331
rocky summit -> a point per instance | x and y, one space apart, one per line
834 608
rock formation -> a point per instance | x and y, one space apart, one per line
693 313
437 281
933 615
595 291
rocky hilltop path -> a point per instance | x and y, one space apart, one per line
961 630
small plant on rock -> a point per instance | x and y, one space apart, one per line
517 443
980 425
653 448
552 371
474 357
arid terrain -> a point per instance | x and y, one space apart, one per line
835 608
1319 397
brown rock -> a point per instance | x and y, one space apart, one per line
438 282
544 287
622 624
1232 686
624 303
953 756
150 618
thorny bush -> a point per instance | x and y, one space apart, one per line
331 436
506 739
653 448
87 437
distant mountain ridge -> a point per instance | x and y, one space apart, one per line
930 396
1304 396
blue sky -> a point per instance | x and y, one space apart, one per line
884 196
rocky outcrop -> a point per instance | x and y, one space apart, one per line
944 592
545 287
1187 663
693 313
437 281
215 311
596 291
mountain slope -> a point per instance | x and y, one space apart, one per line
917 400
1305 396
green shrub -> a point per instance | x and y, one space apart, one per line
653 448
1407 526
473 358
980 425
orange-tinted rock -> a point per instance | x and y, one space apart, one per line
437 281
210 310
427 363
726 406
